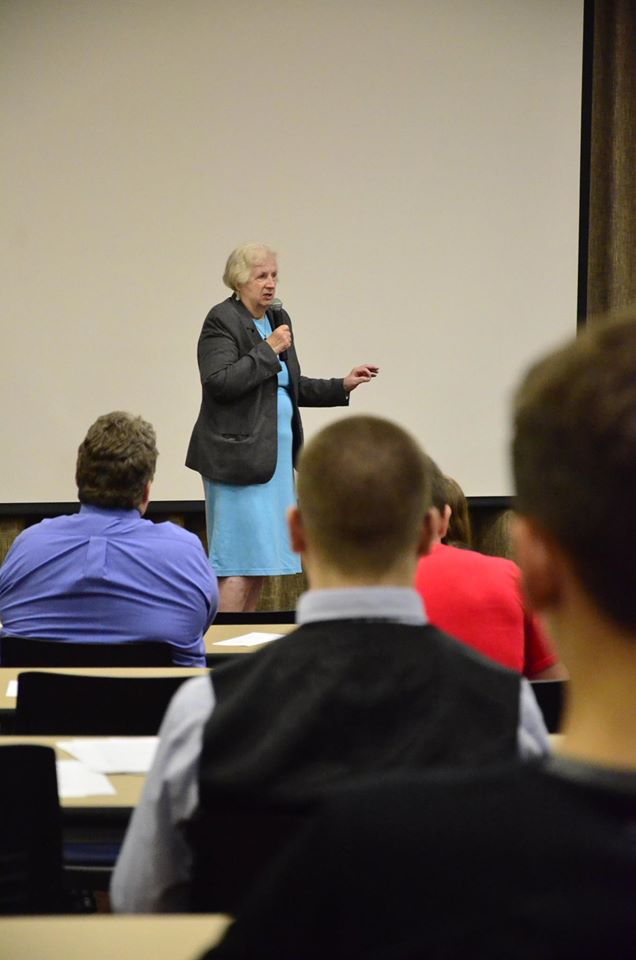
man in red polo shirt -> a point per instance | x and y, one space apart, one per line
478 600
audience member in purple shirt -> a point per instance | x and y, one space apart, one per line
106 574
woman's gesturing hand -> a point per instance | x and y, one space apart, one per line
361 374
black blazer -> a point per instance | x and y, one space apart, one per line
235 437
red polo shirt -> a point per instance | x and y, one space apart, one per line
478 599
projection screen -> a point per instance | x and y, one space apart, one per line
414 162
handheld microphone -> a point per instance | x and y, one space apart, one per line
276 309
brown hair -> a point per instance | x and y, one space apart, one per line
496 537
364 487
459 528
115 461
438 487
574 459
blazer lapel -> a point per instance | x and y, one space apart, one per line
246 320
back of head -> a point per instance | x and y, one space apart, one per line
115 461
497 538
574 459
364 487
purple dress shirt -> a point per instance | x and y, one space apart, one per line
109 575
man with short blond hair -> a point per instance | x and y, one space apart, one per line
105 574
358 470
364 685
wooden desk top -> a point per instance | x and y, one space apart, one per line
101 937
225 631
127 785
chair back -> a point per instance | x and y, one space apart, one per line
31 875
33 652
550 696
52 703
256 616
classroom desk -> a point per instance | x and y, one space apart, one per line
215 633
225 631
212 638
100 937
127 785
93 828
10 673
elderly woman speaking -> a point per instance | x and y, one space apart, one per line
249 431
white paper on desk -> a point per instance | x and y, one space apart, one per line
76 780
248 639
114 754
12 688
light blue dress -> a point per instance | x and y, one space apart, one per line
246 524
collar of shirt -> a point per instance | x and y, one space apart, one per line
397 604
124 513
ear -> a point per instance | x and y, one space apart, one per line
428 532
438 523
444 520
296 529
145 498
540 563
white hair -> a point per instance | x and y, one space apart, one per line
240 262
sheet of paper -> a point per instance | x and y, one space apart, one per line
113 754
248 639
12 688
76 780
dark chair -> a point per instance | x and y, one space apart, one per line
213 660
550 697
61 703
32 652
256 616
31 876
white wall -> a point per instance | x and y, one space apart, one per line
414 162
